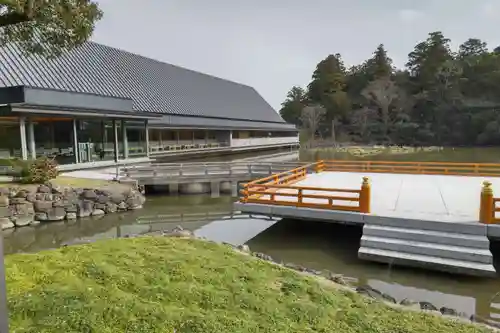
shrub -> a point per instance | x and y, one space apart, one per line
39 171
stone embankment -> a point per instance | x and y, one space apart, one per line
21 207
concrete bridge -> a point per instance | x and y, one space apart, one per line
435 215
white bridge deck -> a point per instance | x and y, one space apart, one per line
426 197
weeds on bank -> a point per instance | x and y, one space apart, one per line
157 284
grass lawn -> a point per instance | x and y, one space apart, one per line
158 284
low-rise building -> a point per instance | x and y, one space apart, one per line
97 105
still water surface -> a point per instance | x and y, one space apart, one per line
312 244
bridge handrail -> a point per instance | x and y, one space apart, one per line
432 168
209 168
258 193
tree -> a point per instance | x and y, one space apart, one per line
383 92
472 47
380 65
311 118
293 105
327 89
47 27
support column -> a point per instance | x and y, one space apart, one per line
230 138
116 148
22 129
76 149
146 129
31 139
125 139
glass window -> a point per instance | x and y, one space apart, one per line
95 140
136 138
10 138
54 138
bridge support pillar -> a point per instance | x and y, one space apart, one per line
234 188
215 189
173 188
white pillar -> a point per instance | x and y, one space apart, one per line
146 129
125 139
115 140
31 139
76 149
230 138
22 129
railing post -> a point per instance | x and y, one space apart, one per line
364 196
320 165
299 196
486 209
244 199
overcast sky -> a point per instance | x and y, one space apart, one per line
273 45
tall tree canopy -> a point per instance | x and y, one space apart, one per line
47 27
442 96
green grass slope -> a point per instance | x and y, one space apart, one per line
159 284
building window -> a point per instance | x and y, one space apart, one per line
136 137
54 139
95 140
10 138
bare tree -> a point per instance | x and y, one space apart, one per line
383 92
361 118
311 117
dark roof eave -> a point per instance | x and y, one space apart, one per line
80 112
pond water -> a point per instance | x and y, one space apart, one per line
312 244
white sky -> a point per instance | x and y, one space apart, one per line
273 45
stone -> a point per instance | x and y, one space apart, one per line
122 206
100 206
71 208
21 194
244 248
427 306
89 195
6 223
42 206
448 311
41 216
43 189
85 208
34 223
5 211
374 293
111 208
102 199
71 216
134 207
58 203
56 214
98 212
25 208
263 256
57 190
22 220
179 233
4 201
17 200
134 201
337 278
117 198
4 191
31 197
47 196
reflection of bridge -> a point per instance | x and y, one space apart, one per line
423 214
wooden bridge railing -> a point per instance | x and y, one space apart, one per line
488 206
279 190
428 168
207 168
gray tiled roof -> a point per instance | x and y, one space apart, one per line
152 85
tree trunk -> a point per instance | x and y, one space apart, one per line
334 136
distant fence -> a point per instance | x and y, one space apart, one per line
428 168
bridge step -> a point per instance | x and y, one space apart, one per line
428 236
437 249
423 261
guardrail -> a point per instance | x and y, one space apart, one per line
279 190
208 168
428 168
488 205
